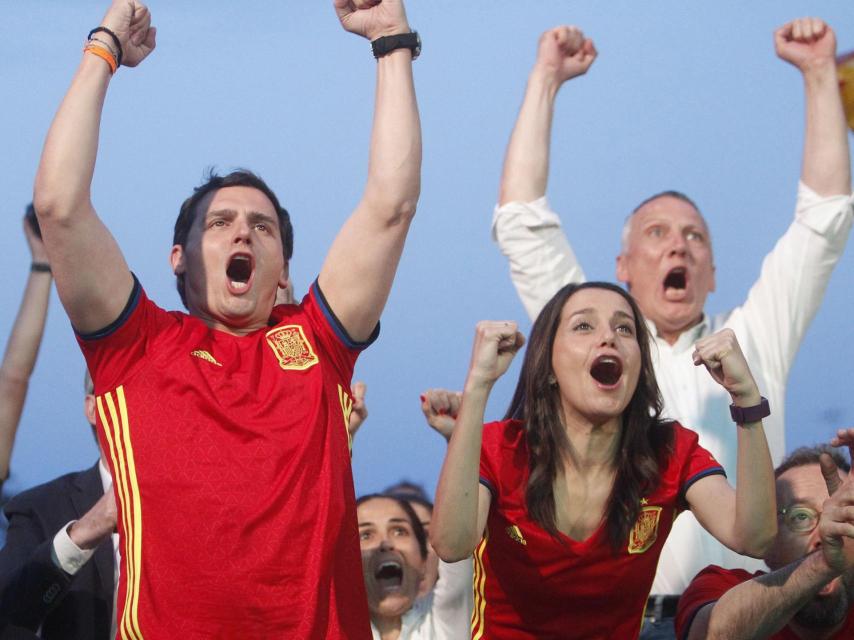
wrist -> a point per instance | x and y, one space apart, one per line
746 398
39 266
477 385
391 31
84 535
544 79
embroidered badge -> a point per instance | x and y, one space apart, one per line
291 347
204 355
516 535
645 532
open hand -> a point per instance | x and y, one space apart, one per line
372 19
836 526
130 20
97 524
565 53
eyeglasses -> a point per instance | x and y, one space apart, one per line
799 519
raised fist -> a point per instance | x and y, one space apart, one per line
372 19
805 42
440 407
130 20
722 356
565 53
495 344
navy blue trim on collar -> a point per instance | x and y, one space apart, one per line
116 324
336 325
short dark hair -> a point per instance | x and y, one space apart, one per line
646 439
803 456
417 527
409 491
213 182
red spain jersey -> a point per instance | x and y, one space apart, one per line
714 581
528 585
231 467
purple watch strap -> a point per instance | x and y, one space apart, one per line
745 415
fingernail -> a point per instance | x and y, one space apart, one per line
423 399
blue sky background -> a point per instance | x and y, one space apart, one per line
684 96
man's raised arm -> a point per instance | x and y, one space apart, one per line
358 272
92 278
541 260
810 45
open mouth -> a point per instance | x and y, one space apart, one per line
389 574
606 370
676 279
239 272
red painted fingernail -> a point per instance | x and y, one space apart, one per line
423 399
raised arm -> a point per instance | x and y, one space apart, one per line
563 53
19 358
810 45
92 278
745 520
462 503
762 606
357 275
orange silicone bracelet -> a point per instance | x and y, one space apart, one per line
105 55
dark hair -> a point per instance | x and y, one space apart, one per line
803 456
32 220
645 439
670 193
237 178
417 527
409 491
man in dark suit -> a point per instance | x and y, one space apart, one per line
57 570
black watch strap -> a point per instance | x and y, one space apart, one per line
387 44
745 415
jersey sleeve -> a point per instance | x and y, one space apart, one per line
490 451
707 587
116 351
695 461
331 335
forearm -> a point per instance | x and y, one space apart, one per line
453 530
755 498
826 162
526 162
394 170
19 360
64 176
762 606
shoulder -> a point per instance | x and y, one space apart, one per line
47 493
504 434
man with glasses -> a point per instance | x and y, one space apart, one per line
810 590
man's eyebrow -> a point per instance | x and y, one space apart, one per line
230 213
260 215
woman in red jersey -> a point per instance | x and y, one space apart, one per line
567 502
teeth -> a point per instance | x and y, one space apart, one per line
239 285
390 565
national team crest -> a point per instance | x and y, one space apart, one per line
292 348
645 532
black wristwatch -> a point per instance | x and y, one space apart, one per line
745 415
387 44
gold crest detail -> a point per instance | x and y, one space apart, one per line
204 355
516 535
645 532
291 347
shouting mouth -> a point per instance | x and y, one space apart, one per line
676 284
607 371
389 575
239 273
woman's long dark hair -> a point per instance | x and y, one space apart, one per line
645 439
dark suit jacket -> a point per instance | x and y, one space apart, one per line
33 590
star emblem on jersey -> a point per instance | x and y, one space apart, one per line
292 348
516 535
645 532
204 355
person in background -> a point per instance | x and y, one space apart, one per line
580 484
19 359
667 262
809 592
59 567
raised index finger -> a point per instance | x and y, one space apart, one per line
830 472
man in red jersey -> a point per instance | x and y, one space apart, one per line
809 593
226 428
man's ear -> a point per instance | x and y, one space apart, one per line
89 408
713 284
285 278
176 259
623 270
